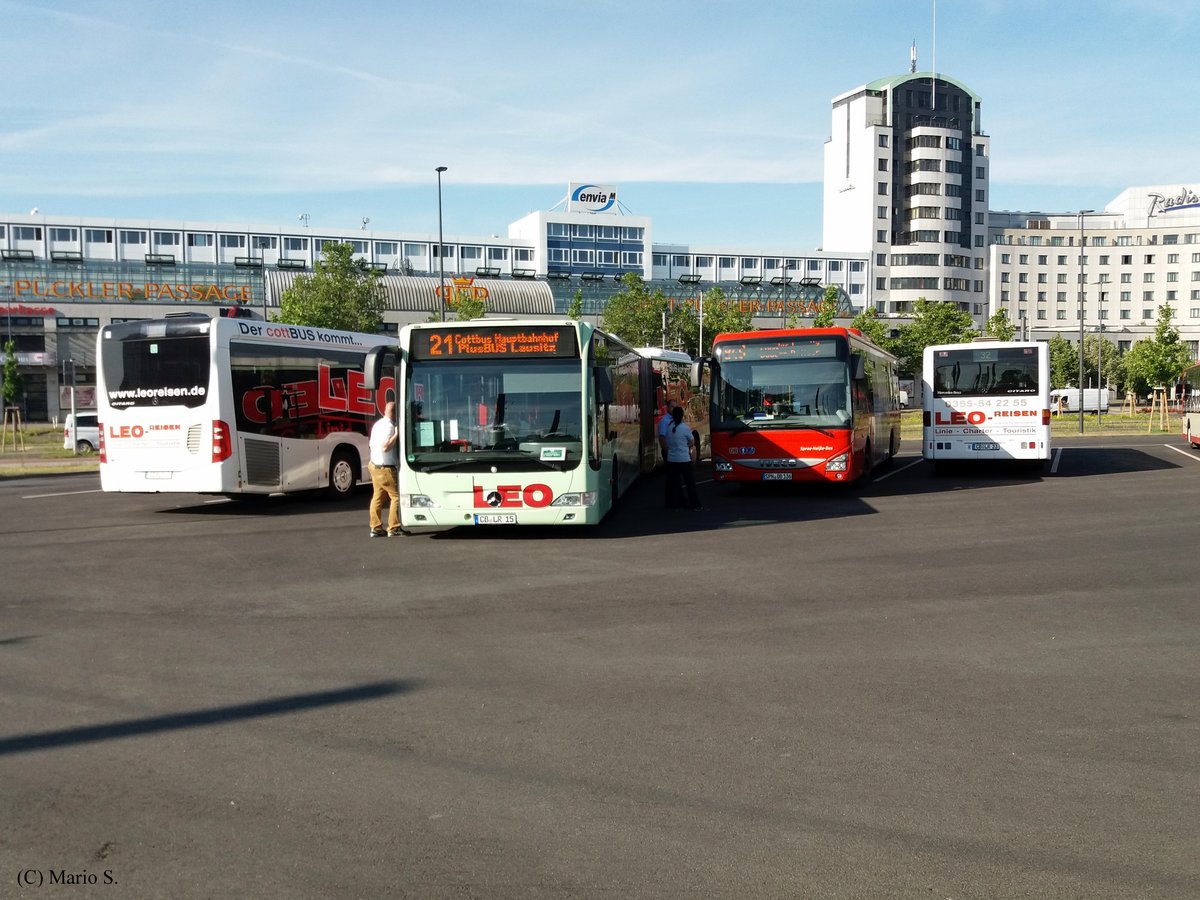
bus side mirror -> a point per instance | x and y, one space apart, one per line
698 372
373 366
604 385
858 367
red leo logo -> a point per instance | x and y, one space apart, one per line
509 496
958 418
126 431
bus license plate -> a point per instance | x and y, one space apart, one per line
985 446
777 476
496 519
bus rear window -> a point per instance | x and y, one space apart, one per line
167 370
985 371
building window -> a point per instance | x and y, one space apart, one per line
1149 259
881 212
234 242
382 248
199 240
631 258
680 261
583 257
63 235
581 231
447 251
631 234
979 196
606 257
881 237
883 140
133 237
411 249
166 238
471 252
1147 278
704 262
725 262
1126 296
497 254
856 265
27 233
525 254
556 229
883 164
1126 278
749 263
883 189
558 255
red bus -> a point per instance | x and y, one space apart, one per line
802 404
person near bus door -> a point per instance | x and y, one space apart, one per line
384 459
664 424
681 474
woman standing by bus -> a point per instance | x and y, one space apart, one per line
681 472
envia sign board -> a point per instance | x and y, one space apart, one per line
593 198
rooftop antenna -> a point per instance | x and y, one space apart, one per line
365 222
912 58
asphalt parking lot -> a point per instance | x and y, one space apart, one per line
974 685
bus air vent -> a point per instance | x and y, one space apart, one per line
262 462
193 439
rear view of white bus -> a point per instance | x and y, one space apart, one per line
986 400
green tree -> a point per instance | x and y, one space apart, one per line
824 317
341 293
1000 326
575 309
1112 363
720 315
14 384
467 307
1064 362
931 323
1157 361
636 315
869 323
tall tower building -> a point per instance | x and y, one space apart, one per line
906 181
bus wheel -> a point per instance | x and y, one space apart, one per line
343 475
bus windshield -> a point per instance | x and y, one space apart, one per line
985 371
782 383
156 364
472 415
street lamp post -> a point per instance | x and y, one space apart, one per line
441 252
1082 213
1099 351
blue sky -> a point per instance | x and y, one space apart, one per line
709 117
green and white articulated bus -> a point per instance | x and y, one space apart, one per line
515 422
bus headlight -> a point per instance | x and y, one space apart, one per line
583 498
721 464
837 463
416 501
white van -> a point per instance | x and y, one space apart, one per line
1095 400
81 432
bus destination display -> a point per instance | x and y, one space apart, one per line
757 351
494 342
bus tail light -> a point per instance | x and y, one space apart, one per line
1045 417
222 447
838 463
103 452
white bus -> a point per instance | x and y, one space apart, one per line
206 405
986 400
509 422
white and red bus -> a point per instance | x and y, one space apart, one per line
804 404
228 406
510 422
1190 405
986 400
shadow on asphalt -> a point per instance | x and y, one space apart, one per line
219 715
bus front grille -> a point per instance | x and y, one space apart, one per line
262 462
